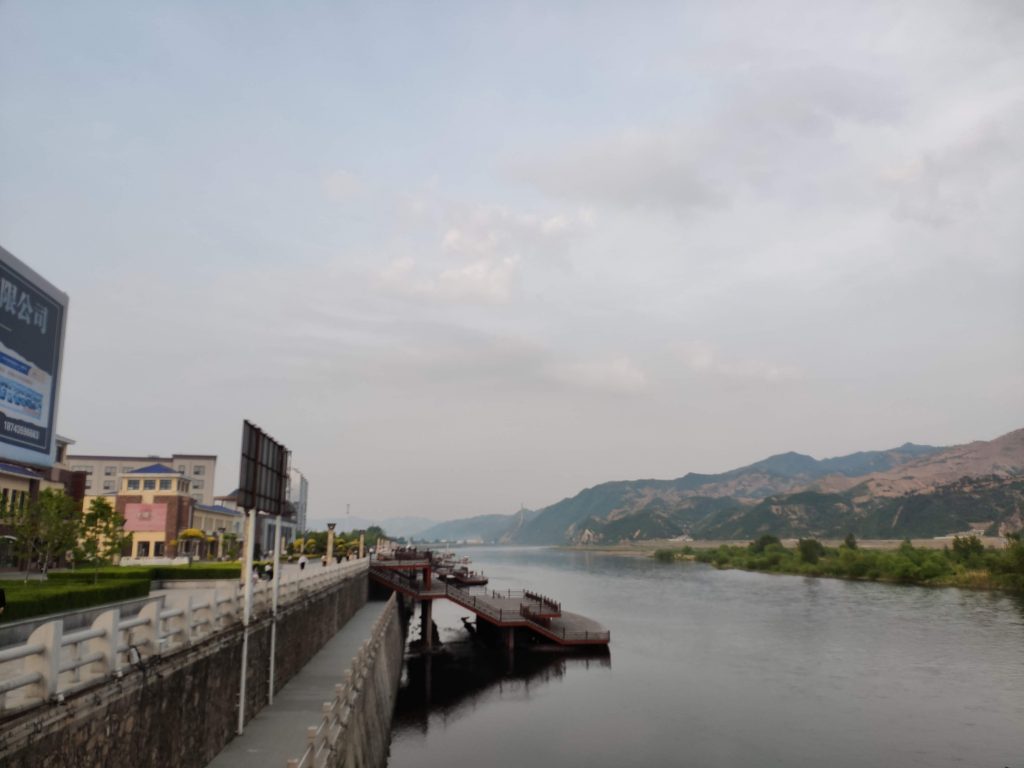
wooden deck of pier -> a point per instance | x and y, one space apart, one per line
510 609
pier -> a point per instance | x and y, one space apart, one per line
538 614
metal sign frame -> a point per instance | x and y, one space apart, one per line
263 472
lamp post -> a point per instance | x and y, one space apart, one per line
330 541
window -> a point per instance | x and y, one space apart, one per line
197 496
181 468
110 471
82 468
88 482
198 469
126 470
197 484
133 485
108 485
158 549
143 550
183 485
165 485
149 485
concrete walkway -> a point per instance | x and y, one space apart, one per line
278 732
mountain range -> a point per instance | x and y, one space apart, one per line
909 491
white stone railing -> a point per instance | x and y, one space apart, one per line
324 739
52 664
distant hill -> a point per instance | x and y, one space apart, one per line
992 503
909 491
491 529
672 507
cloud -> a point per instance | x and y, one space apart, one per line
487 280
970 165
616 376
479 254
342 186
640 170
703 359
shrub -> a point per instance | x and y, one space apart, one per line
38 598
197 572
135 572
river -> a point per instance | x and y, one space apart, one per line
724 668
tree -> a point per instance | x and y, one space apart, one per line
43 528
102 536
759 546
189 535
810 550
850 542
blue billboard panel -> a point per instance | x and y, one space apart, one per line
32 317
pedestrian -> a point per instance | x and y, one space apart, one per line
268 572
3 601
302 562
323 560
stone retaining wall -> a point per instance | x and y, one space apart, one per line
179 710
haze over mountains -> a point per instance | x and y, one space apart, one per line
912 490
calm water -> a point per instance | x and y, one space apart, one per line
725 668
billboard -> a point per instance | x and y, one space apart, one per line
32 317
263 472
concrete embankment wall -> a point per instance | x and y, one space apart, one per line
179 711
365 741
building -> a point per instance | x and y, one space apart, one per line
103 474
222 524
157 505
298 496
265 525
20 484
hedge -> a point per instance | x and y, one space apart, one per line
196 572
106 573
38 598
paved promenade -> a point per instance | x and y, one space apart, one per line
278 732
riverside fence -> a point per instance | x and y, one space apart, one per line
52 664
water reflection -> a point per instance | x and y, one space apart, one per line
445 685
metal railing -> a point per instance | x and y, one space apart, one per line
534 611
324 738
407 584
52 664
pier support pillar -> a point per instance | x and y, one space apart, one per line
510 639
427 623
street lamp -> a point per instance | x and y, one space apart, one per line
330 541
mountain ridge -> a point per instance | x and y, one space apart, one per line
856 490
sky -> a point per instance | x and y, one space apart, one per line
462 257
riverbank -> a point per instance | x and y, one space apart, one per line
966 562
647 547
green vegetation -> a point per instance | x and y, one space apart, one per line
152 573
968 563
102 535
39 598
44 529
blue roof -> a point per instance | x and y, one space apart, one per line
13 469
220 508
155 469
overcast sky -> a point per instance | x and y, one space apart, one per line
463 256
